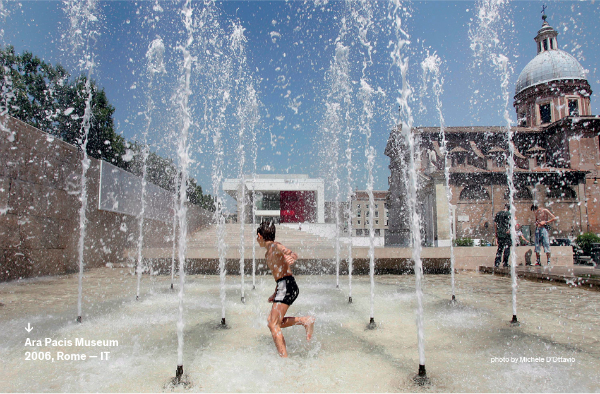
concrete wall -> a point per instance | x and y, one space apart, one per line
39 209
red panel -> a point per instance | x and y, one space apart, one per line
297 206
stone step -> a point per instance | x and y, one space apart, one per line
232 234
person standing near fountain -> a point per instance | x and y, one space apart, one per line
502 226
542 218
280 260
520 237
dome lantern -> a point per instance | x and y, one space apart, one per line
546 37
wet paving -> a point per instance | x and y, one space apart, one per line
469 346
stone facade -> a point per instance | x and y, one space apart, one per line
555 150
39 209
558 171
361 212
398 233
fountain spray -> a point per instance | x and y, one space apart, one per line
346 100
337 78
85 165
3 15
253 120
254 154
241 218
219 219
364 20
184 93
217 179
155 65
7 93
217 90
81 32
503 65
7 87
402 40
140 218
247 117
174 233
432 65
237 47
349 197
490 16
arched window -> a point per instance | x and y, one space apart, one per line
474 192
522 193
561 192
545 113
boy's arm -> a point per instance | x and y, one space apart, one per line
289 256
545 222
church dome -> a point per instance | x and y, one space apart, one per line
552 86
549 66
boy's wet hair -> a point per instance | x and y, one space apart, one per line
534 207
267 231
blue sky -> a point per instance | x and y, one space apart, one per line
289 47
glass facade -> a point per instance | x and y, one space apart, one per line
268 202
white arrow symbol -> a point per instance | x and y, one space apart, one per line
29 328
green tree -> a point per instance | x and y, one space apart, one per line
195 196
103 142
163 172
45 97
159 170
585 241
464 242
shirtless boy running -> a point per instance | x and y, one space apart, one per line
280 259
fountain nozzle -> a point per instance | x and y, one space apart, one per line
349 300
372 324
453 300
171 286
78 319
421 378
514 321
243 300
180 380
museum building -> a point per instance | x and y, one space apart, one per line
281 198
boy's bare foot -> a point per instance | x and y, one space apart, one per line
309 326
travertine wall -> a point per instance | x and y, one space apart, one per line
39 209
472 216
